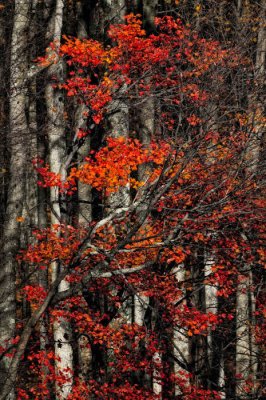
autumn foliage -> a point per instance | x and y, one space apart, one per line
197 202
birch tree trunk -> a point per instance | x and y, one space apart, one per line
243 353
214 344
16 138
181 341
57 154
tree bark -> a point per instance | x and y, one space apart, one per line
57 156
16 138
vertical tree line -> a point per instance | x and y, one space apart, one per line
132 200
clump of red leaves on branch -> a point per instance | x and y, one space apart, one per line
196 198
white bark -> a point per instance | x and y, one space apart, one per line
243 331
57 154
246 348
210 294
181 341
140 306
221 381
156 384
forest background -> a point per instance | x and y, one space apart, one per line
132 175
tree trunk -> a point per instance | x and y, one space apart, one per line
180 340
57 156
17 139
